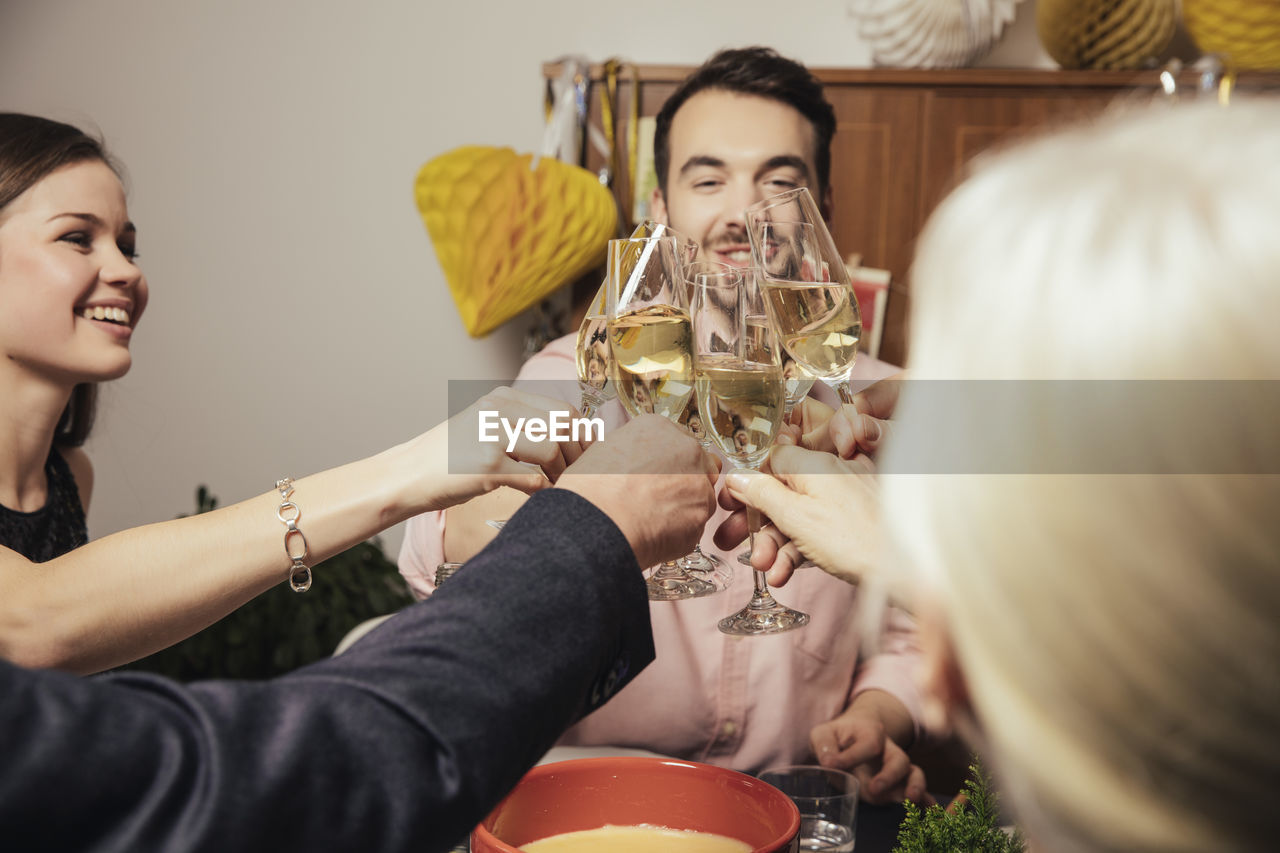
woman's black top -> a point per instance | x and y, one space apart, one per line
55 528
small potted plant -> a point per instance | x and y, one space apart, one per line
970 823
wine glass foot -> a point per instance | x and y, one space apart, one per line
677 588
770 619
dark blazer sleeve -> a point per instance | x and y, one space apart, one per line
402 743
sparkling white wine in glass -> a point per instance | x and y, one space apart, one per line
652 360
819 324
807 287
798 380
741 405
591 356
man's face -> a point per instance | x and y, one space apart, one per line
728 151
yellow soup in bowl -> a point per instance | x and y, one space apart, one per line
637 839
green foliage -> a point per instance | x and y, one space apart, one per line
281 630
974 827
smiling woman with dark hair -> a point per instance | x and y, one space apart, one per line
72 295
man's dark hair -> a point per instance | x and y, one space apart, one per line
758 71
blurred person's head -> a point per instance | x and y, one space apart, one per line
746 124
1110 641
45 166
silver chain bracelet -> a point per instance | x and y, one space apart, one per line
288 513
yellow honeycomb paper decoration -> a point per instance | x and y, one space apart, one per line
507 234
1245 32
1106 34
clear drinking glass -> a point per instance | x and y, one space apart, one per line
741 397
651 357
807 288
706 566
798 380
592 357
591 354
828 803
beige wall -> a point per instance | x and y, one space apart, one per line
298 318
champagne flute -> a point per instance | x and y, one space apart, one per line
798 380
807 288
591 354
652 361
707 566
741 395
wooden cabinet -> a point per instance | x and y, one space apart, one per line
903 137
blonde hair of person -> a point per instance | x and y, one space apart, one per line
1118 634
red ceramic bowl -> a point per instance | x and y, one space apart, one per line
588 793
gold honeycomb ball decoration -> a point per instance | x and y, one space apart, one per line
1246 33
507 234
1106 34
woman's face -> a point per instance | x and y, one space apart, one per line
71 291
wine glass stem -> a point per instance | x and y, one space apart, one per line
841 387
761 596
762 586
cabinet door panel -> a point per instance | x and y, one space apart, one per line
960 124
875 176
874 172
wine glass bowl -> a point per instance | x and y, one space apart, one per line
592 356
649 332
807 289
798 380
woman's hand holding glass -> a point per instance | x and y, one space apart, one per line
820 507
